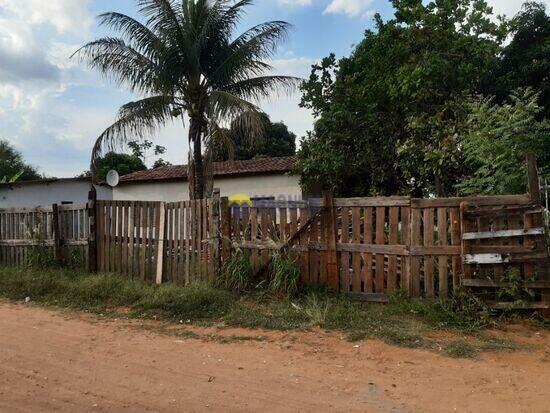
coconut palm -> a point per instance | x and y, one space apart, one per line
185 62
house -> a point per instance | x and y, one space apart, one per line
27 194
269 178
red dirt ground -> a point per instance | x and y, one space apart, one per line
69 362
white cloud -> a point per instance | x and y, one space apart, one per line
509 7
64 15
351 8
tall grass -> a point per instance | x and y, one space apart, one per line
285 275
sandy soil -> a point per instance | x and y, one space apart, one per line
68 362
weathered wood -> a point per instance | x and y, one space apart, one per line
476 200
502 234
329 221
489 258
393 239
161 222
56 234
442 259
416 223
472 282
502 211
367 240
380 240
429 263
92 231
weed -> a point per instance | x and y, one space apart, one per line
460 349
285 275
237 272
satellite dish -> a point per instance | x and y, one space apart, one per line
112 178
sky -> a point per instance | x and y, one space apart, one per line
52 108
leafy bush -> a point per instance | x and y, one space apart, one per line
285 275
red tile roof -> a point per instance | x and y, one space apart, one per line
229 168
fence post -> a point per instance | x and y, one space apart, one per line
216 233
533 178
56 234
160 241
329 220
92 231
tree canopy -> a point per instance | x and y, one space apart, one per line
275 141
12 166
123 163
391 117
185 58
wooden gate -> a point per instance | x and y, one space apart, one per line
60 231
504 255
155 241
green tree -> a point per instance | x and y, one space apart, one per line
496 141
186 59
12 166
389 115
123 163
275 141
525 61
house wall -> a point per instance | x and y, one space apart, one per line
27 195
283 187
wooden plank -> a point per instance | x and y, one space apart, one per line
435 250
131 237
489 258
442 260
367 240
404 282
380 240
393 240
416 223
57 234
429 287
345 280
330 237
356 281
161 221
373 202
502 211
485 283
502 234
476 200
142 236
188 242
120 240
454 216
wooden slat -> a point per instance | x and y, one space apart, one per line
429 287
477 200
380 240
416 223
367 240
356 256
393 240
442 260
345 281
502 234
455 241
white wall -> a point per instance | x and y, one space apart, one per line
26 195
283 187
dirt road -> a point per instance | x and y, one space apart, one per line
57 361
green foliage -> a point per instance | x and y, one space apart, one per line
285 275
389 114
496 140
120 162
12 166
525 61
274 141
237 272
186 59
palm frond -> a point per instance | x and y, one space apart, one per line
135 120
120 62
263 87
140 36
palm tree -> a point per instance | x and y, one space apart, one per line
185 60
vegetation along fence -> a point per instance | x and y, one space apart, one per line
493 245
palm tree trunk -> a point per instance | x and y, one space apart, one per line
196 190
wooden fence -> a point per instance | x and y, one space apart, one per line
363 246
157 241
60 231
379 245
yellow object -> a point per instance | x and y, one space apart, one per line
240 200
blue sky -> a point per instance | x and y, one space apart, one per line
52 108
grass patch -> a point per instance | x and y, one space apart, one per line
406 323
